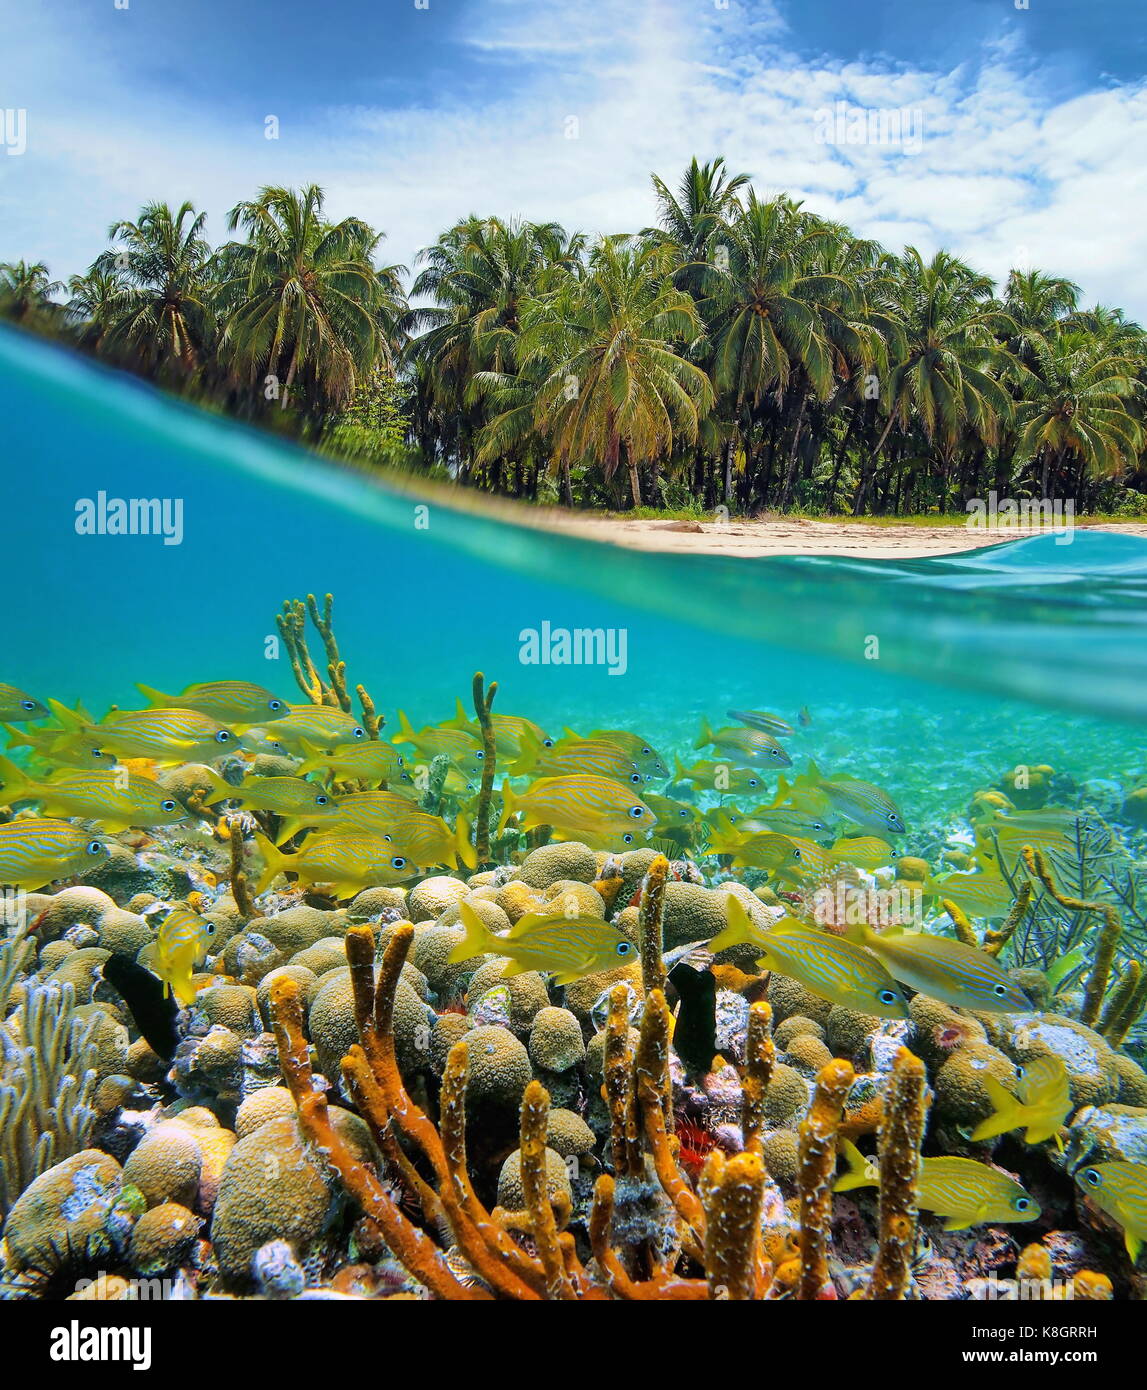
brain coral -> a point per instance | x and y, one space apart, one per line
510 1194
63 1219
430 898
527 991
499 1070
961 1098
567 860
267 1103
555 1039
785 1031
163 1239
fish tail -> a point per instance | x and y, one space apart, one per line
508 806
463 844
18 738
478 940
527 758
156 699
706 734
859 1171
679 768
1005 1115
16 782
405 729
461 719
274 862
67 718
739 930
783 790
182 988
313 760
289 827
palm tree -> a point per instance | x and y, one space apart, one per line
95 301
707 198
946 358
1076 408
161 316
26 294
302 299
615 387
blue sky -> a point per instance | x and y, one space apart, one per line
1031 122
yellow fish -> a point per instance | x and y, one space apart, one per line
569 947
964 1192
863 852
649 761
166 736
15 706
761 719
511 731
1120 1189
1042 1106
180 946
369 761
322 725
830 966
463 748
944 969
230 702
748 747
423 839
984 895
347 860
601 812
571 756
721 778
37 852
117 800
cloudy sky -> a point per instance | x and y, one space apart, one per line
1022 130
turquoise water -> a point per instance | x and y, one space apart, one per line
1028 652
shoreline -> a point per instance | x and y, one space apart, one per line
793 536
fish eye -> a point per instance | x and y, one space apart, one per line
627 838
636 778
167 805
547 743
359 733
623 948
398 862
28 704
1001 991
400 762
1092 1177
96 847
322 800
753 782
636 812
276 704
646 752
222 736
209 928
683 814
479 756
1022 1203
888 996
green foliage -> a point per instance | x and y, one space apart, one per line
743 352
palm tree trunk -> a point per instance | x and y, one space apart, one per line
791 472
841 454
870 469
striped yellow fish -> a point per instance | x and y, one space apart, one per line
602 813
650 763
964 1192
117 800
463 748
511 732
15 706
346 860
863 852
859 802
571 756
944 969
1042 1105
166 736
37 852
423 839
722 778
761 719
830 966
984 895
569 947
232 703
322 725
180 946
369 761
748 747
1120 1189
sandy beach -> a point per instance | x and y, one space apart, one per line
792 536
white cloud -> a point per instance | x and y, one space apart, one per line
1004 165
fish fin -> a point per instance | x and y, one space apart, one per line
461 720
478 940
706 734
514 967
679 768
405 729
858 1173
1133 1243
467 854
67 718
508 805
17 738
289 827
958 1223
17 785
156 699
527 759
569 733
813 774
274 862
739 929
314 758
1005 1115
